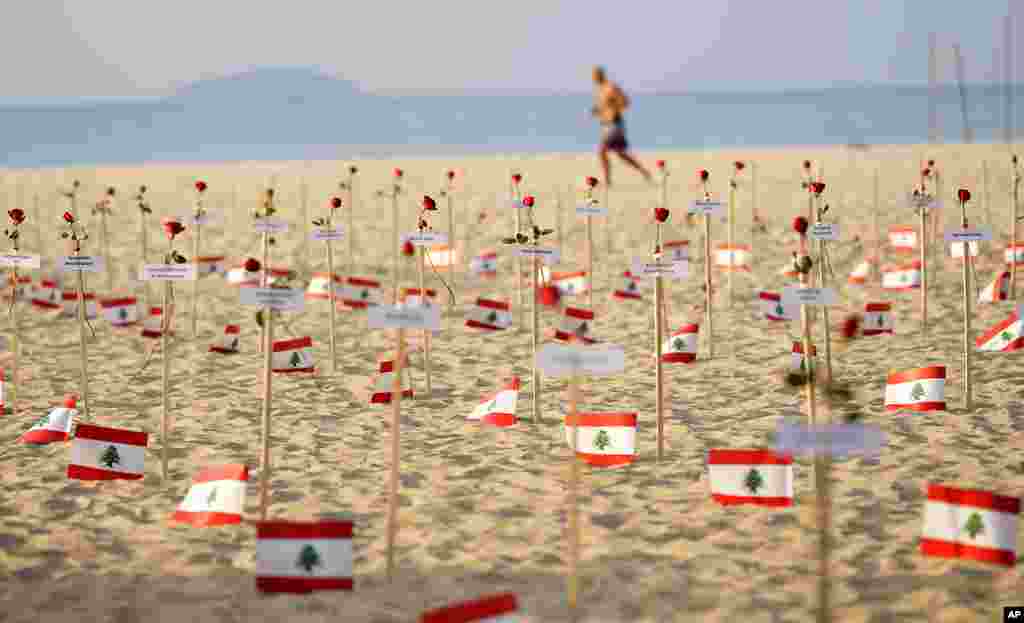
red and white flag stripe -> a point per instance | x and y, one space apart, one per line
921 389
485 264
861 273
758 477
1005 337
152 326
490 315
494 609
498 409
56 426
796 360
229 341
385 383
70 308
681 346
575 326
319 290
46 296
877 319
1014 254
216 498
772 307
604 439
294 355
442 257
971 524
630 288
733 258
906 277
100 453
677 250
569 284
121 312
360 293
903 239
956 250
302 557
997 290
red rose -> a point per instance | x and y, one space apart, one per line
661 214
739 165
931 163
252 265
429 203
703 175
850 326
397 173
592 181
516 177
926 172
800 225
68 218
963 195
171 227
17 216
451 174
661 164
528 201
807 165
408 249
201 186
69 401
817 187
336 203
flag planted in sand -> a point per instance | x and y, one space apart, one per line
1005 337
493 609
772 307
121 312
921 389
575 325
605 439
498 409
971 524
681 346
216 498
152 326
797 361
629 288
485 264
211 265
302 557
56 426
101 453
294 355
733 257
385 382
861 273
228 343
903 239
907 277
877 319
997 290
359 293
70 304
490 315
758 477
47 295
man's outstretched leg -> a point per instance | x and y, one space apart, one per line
635 164
602 155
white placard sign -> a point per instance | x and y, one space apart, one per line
337 233
825 231
169 272
515 204
559 360
678 269
269 226
547 255
426 238
404 317
281 299
709 208
207 217
81 263
968 235
591 209
808 296
835 440
19 261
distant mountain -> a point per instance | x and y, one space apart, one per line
289 85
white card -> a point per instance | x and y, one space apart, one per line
269 226
169 272
708 208
81 263
426 238
825 231
209 216
968 235
559 360
547 255
591 209
19 261
337 233
275 298
404 317
835 440
808 296
678 269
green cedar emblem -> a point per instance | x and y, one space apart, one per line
779 311
492 317
110 457
974 525
308 558
364 294
602 440
296 360
753 481
917 393
213 496
678 345
234 344
630 285
1006 336
122 313
582 329
881 320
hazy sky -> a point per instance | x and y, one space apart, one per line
56 48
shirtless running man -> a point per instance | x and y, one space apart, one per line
609 104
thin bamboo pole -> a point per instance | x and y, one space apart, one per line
397 247
82 352
1015 190
572 584
350 231
197 229
590 263
659 332
967 314
268 352
535 378
708 316
923 243
396 413
732 237
165 424
424 302
331 290
518 261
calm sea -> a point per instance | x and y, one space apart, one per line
295 128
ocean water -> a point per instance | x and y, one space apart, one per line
294 127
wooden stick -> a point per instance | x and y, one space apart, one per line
350 232
394 238
268 353
707 285
923 242
331 288
198 230
519 262
1015 184
732 236
590 263
535 378
824 309
396 412
144 251
967 314
572 584
424 302
659 332
83 355
452 273
165 378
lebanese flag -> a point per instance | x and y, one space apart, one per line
1014 254
861 273
319 290
877 319
45 295
997 290
630 288
788 270
54 427
243 278
294 355
677 250
152 327
211 265
575 325
569 284
903 239
100 453
490 315
772 307
796 360
360 293
70 308
121 312
921 389
970 523
758 477
605 439
228 343
485 264
902 277
498 409
733 258
956 250
385 383
24 284
411 296
302 557
681 346
493 609
216 498
278 274
1005 337
442 257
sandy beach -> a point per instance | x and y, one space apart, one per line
483 510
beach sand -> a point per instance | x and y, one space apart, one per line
482 510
